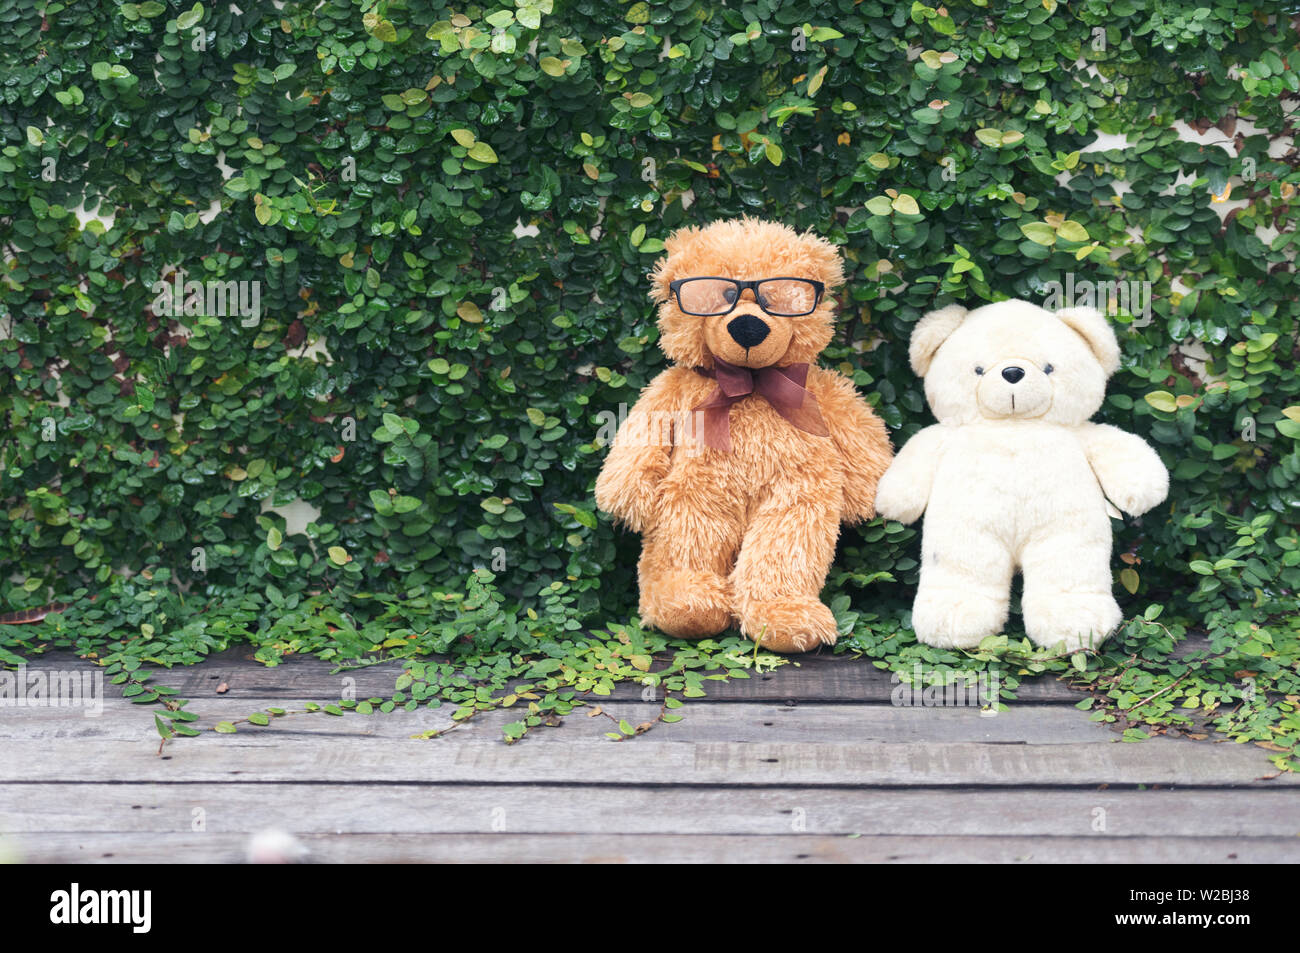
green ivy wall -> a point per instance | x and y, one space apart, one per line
449 211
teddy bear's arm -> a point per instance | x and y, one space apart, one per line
904 490
1127 467
640 455
862 441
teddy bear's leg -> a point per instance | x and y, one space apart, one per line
964 590
787 549
1068 597
686 557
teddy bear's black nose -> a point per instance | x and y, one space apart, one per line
748 331
1012 374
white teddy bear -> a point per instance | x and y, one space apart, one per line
1015 476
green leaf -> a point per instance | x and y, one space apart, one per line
190 17
1288 428
880 205
823 33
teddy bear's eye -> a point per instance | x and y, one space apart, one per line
979 370
729 293
1048 368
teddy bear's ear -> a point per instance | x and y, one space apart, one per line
826 259
930 332
1092 326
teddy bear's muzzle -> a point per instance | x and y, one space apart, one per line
1016 388
748 339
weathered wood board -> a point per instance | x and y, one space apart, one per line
809 763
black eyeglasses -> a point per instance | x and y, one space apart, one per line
780 297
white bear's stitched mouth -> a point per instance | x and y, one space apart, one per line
1028 398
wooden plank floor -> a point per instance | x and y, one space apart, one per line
807 763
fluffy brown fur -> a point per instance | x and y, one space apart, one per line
747 534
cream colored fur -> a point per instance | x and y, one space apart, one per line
1014 476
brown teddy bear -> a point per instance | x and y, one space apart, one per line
738 463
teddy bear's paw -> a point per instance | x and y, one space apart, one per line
686 604
1138 502
893 503
1068 621
957 618
794 624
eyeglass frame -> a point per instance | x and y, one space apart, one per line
819 289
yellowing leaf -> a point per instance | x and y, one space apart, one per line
1040 233
464 137
469 311
339 556
551 66
1162 400
482 152
382 29
906 205
1072 232
815 83
1128 578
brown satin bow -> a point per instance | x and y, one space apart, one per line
782 387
